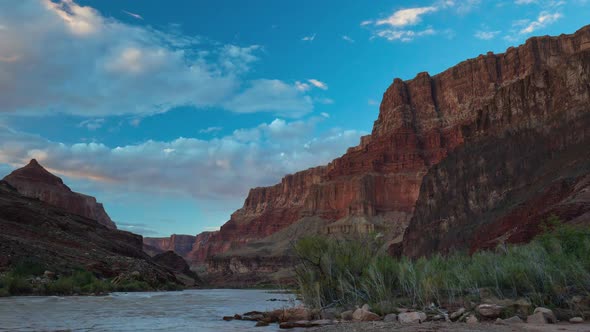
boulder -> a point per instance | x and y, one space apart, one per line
489 310
513 320
471 319
390 318
346 315
364 315
537 318
455 315
576 320
547 313
414 317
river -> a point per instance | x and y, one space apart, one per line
191 310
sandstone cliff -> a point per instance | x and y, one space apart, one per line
36 182
460 157
180 244
524 154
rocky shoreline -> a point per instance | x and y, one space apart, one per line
493 315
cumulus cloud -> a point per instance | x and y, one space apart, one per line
405 17
62 57
223 167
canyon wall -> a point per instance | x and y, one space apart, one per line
450 157
180 244
34 181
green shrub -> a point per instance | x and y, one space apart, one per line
28 268
16 285
547 271
133 286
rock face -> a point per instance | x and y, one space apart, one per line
36 182
524 130
180 244
468 158
32 230
178 265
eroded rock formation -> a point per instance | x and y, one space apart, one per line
463 157
35 181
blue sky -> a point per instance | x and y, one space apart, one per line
169 111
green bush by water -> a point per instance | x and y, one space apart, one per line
547 271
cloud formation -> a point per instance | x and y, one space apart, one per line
405 17
225 167
486 35
544 19
97 66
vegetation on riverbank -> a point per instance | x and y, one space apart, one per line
29 278
549 271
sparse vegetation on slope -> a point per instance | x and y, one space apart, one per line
548 271
29 278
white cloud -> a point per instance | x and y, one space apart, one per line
97 66
542 21
217 168
137 16
325 101
302 86
274 96
92 124
309 38
524 2
486 35
405 17
403 35
318 84
209 130
366 22
325 115
347 38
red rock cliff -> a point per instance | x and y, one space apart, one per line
180 244
535 91
36 182
524 154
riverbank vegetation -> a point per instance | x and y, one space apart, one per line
30 278
548 271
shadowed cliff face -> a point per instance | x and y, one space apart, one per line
31 230
36 182
445 150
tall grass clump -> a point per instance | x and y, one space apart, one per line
548 271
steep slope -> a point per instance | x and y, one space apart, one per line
178 265
444 150
31 230
35 181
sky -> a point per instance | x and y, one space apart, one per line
169 111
